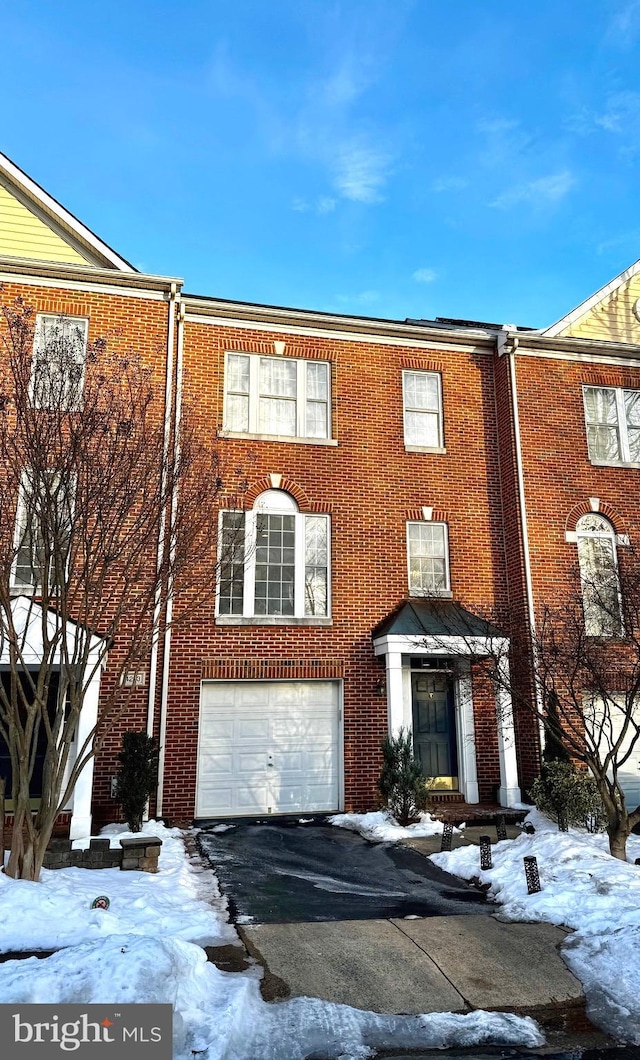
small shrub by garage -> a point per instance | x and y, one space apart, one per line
401 783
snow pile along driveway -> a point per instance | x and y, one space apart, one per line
583 888
142 949
380 827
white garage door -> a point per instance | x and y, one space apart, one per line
268 747
629 772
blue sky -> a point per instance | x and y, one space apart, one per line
386 158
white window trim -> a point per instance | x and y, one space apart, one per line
36 587
411 447
621 413
253 430
248 597
608 535
418 594
80 322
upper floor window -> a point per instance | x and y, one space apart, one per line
59 356
428 557
598 563
613 424
42 539
274 560
277 396
422 399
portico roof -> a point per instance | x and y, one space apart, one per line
433 617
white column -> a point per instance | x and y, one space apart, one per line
395 706
509 791
81 816
466 740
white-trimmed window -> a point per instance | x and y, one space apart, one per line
612 416
428 558
422 400
59 358
274 560
42 542
598 561
277 396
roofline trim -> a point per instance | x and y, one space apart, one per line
593 300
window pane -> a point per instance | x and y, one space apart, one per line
421 391
316 552
277 417
237 413
237 373
632 407
422 428
277 377
427 558
317 381
604 443
232 563
600 586
58 365
275 570
600 403
316 426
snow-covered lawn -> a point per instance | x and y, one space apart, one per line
585 889
147 948
379 827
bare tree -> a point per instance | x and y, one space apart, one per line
92 478
577 673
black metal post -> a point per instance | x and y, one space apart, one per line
447 835
485 852
563 823
532 874
501 827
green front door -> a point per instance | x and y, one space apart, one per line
434 730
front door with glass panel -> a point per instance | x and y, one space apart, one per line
434 729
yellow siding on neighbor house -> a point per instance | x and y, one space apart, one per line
23 235
611 319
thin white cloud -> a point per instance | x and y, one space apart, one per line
541 192
624 27
361 172
363 298
442 184
323 205
424 275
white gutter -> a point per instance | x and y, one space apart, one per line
157 604
166 660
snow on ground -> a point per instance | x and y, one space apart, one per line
143 949
175 902
221 1015
585 889
380 827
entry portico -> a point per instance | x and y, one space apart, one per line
429 646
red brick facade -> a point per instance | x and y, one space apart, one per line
370 485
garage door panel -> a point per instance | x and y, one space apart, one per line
268 747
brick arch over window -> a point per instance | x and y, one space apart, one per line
584 508
283 482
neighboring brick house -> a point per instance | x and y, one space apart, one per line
404 479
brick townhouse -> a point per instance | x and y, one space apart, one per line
405 479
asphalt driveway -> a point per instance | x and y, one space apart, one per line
277 874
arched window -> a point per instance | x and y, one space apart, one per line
598 562
274 560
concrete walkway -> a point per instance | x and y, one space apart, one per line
435 964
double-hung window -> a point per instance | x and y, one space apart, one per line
59 357
43 532
613 424
274 561
422 400
277 396
428 558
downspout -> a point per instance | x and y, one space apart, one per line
510 351
157 603
166 660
